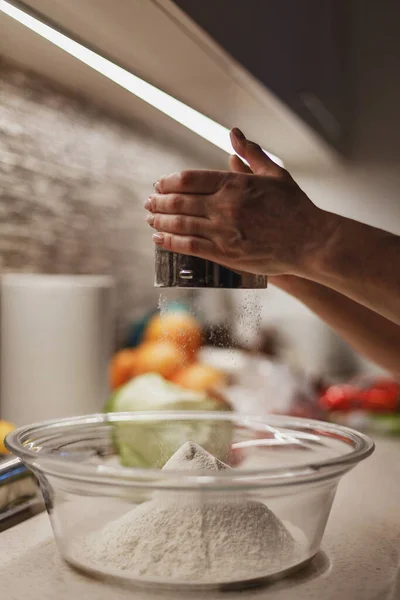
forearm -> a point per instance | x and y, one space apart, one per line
361 262
367 332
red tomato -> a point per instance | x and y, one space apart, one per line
383 396
380 400
340 397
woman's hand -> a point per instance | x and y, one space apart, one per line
256 219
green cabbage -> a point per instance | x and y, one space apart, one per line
151 443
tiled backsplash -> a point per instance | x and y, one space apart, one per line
72 184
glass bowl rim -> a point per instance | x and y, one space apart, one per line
154 478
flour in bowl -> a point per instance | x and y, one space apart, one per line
201 539
192 457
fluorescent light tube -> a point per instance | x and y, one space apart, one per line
177 110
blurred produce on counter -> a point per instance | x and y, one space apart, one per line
166 343
200 376
261 386
137 330
180 349
121 368
5 429
151 443
178 327
188 355
153 392
367 404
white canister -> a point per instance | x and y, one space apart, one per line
56 340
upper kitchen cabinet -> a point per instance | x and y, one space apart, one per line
296 48
248 67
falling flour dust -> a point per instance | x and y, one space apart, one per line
196 539
232 322
248 324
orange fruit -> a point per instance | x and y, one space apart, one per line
199 377
162 357
121 368
5 429
180 328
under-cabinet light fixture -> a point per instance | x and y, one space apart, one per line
175 109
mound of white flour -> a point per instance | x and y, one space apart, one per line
201 540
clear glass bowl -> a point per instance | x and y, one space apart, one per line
292 466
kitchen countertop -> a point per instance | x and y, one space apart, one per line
360 558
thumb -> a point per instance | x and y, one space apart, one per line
252 153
